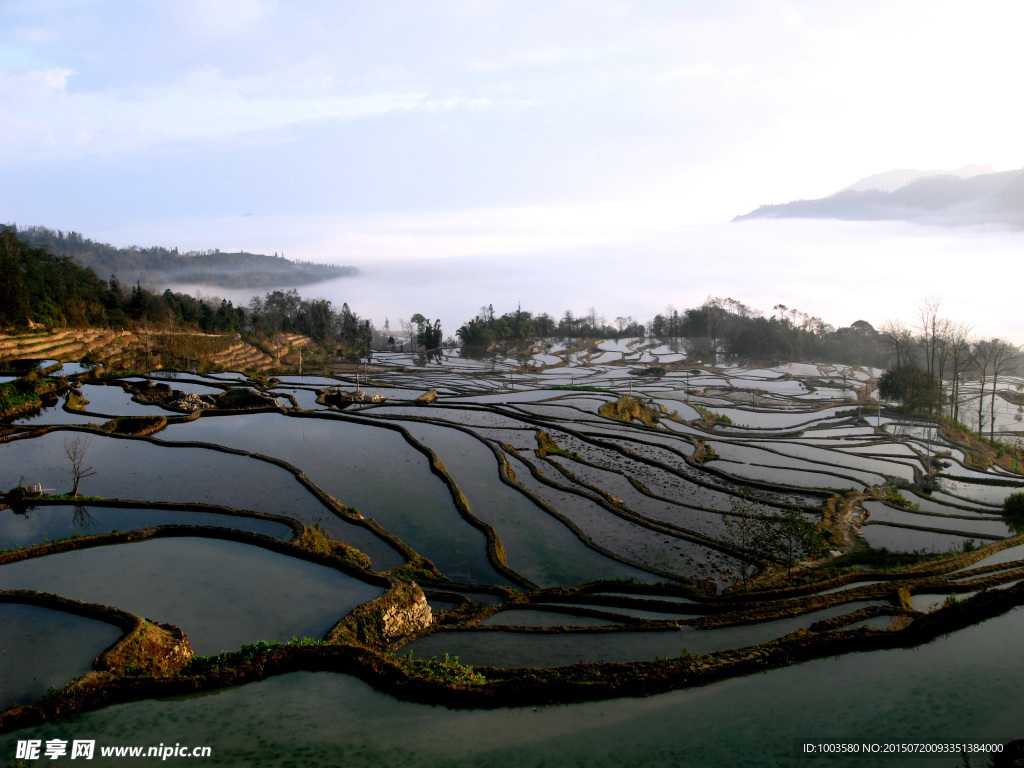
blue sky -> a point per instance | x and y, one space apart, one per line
362 132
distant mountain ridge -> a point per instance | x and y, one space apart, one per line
950 198
157 266
890 181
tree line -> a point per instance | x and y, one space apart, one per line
930 362
511 329
717 327
926 364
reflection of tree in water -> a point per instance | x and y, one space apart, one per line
82 517
430 355
478 353
914 431
1015 524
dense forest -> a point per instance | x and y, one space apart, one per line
155 266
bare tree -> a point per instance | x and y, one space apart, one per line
981 363
1004 355
958 344
943 330
899 340
145 335
75 449
928 321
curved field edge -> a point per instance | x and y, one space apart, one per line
152 660
518 687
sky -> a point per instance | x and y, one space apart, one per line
471 135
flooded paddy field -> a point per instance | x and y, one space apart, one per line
570 532
44 647
323 718
296 598
51 522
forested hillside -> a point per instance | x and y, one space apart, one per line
38 287
157 266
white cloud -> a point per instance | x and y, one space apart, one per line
204 106
27 86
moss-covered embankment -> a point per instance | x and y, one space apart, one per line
28 394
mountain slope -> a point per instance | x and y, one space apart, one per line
156 267
949 200
890 181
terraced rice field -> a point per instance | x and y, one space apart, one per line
544 533
124 349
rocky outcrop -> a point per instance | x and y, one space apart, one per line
186 401
399 612
407 612
153 392
245 398
341 399
162 394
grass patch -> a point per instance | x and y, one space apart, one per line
147 653
981 452
628 408
247 654
897 499
416 570
135 425
25 394
708 419
446 670
865 557
242 398
75 401
546 446
704 452
316 539
652 370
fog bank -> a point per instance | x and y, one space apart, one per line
839 271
